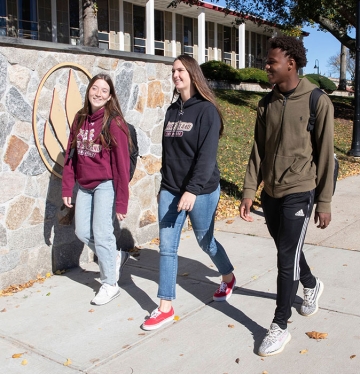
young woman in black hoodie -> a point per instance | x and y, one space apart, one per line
190 183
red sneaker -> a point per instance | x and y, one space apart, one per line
225 290
157 319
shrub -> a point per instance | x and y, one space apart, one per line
310 79
324 83
219 71
253 75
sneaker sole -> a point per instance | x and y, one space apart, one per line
158 325
321 289
224 298
278 351
115 296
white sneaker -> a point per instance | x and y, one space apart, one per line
106 294
121 259
274 341
310 304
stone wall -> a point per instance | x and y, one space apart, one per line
32 241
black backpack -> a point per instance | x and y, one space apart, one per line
133 151
314 97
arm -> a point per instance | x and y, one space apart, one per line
68 176
120 165
324 142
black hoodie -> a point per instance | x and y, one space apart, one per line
190 143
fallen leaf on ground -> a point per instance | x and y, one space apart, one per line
59 272
126 346
231 326
48 294
67 362
352 356
237 360
303 351
3 310
91 311
264 372
142 333
317 335
185 274
229 221
130 319
176 318
24 362
155 241
47 275
17 355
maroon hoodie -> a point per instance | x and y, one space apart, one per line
92 164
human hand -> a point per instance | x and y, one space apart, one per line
323 219
67 202
244 209
120 216
186 202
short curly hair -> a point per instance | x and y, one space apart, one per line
293 47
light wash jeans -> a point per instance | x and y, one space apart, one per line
171 222
94 218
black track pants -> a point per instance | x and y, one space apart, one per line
287 220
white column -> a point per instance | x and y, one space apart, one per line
53 21
121 26
249 49
150 28
242 46
215 42
201 37
173 35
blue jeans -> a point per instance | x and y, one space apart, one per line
94 218
171 222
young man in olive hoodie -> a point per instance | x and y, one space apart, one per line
296 168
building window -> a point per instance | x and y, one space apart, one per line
3 17
188 31
139 29
74 22
62 15
27 19
227 39
103 15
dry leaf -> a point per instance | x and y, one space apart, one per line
126 346
317 335
176 318
67 362
264 372
59 272
303 351
24 362
231 326
17 355
181 354
3 310
229 221
352 356
48 294
185 274
237 360
91 311
130 319
47 275
155 241
142 333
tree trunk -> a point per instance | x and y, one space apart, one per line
90 23
342 81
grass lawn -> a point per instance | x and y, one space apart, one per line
239 110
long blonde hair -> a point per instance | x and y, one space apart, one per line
200 83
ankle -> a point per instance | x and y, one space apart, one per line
228 278
165 306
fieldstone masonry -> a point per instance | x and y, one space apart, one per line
32 239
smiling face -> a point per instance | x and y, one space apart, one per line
99 95
279 67
181 78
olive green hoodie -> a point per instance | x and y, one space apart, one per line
282 155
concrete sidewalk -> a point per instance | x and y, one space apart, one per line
53 323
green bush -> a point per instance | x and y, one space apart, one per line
219 71
324 83
310 79
253 75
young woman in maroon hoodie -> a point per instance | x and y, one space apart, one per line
97 158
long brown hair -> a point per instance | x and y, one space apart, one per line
200 83
111 110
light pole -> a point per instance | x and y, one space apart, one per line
316 66
355 145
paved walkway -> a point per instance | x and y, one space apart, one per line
53 323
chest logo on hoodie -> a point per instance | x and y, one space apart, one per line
85 143
176 129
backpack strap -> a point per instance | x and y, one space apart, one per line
267 99
314 98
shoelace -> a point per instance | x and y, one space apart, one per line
155 313
272 335
222 288
309 295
